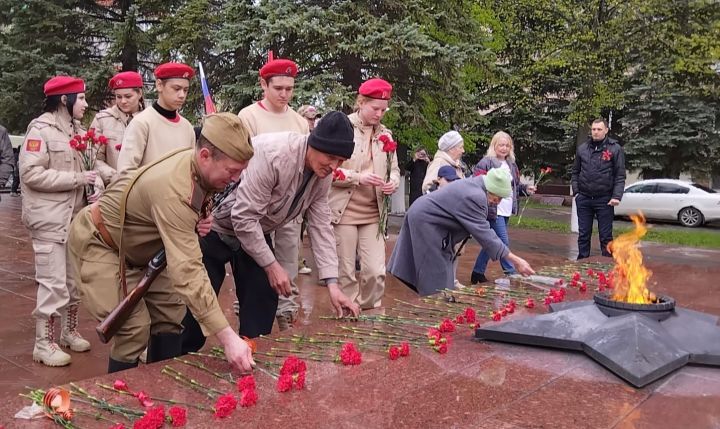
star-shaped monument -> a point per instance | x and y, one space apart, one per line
636 347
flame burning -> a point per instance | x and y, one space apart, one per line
630 274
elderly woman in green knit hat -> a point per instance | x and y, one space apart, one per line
424 252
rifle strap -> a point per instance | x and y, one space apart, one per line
123 207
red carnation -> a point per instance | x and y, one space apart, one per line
120 385
470 315
299 380
548 300
404 349
459 319
178 416
496 316
246 383
248 398
102 140
225 405
154 418
447 326
118 147
144 399
284 383
339 175
90 133
606 155
530 303
349 355
442 349
583 287
510 309
393 352
388 144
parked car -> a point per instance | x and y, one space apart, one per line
689 203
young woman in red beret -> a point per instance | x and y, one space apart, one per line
127 88
53 186
356 198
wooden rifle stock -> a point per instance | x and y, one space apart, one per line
114 321
109 327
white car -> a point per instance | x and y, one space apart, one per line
666 199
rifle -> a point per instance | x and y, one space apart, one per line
114 321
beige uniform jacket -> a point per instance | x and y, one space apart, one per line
441 159
342 190
162 210
51 176
111 123
150 136
264 197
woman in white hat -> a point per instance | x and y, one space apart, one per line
450 150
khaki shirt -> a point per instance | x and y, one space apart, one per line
162 210
342 190
111 123
150 136
265 194
51 177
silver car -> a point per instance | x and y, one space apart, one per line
689 203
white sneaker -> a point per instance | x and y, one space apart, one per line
305 270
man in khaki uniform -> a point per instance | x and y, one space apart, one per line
289 176
158 207
112 122
53 185
160 129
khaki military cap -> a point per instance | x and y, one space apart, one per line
227 133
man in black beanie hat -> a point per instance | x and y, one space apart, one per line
290 175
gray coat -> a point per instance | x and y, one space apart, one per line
488 163
7 158
433 226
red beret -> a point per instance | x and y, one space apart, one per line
128 79
376 88
174 71
279 67
60 85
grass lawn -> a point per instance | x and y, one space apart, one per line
690 238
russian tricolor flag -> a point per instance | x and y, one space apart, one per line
209 105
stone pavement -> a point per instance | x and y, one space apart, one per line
478 385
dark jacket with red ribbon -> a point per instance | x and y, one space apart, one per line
488 163
599 169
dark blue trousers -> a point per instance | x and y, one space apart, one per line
589 208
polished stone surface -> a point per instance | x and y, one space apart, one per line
474 385
635 346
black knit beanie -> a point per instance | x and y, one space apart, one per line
333 135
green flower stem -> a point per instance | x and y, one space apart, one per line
404 335
156 399
313 356
95 416
224 377
102 404
180 377
363 339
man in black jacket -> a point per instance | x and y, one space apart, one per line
598 181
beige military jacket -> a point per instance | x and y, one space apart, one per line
264 198
111 123
51 177
342 190
162 209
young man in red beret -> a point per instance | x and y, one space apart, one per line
127 88
270 115
159 130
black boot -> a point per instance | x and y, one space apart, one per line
476 278
164 346
116 365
